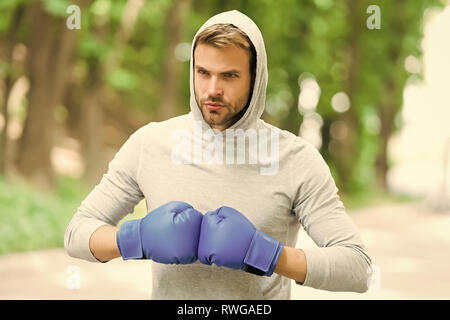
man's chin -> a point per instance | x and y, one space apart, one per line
213 121
211 115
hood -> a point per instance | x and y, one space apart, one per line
258 99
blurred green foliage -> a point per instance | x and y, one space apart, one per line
34 220
31 219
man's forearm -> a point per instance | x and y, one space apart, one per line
103 243
292 264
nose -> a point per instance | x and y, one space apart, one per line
214 87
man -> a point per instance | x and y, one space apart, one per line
224 215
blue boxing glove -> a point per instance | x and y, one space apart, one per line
168 234
229 239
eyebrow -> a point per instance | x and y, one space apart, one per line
228 71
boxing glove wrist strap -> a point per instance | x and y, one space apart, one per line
263 254
129 240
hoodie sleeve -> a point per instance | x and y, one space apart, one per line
113 198
340 262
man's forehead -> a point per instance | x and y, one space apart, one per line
230 59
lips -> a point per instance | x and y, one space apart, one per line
213 106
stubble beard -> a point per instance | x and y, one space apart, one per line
228 115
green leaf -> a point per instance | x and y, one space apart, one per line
122 79
56 7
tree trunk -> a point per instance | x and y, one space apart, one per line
347 149
91 127
9 79
171 71
50 46
386 114
391 101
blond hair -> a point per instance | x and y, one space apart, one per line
226 35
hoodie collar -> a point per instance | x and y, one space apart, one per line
258 99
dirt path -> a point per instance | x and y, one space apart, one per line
408 244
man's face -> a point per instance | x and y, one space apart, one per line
221 83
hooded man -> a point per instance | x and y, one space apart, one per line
224 211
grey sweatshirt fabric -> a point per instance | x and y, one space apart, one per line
276 179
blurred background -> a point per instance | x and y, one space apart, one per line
368 86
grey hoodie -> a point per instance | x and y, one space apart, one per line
276 179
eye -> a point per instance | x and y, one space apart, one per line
230 75
202 71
